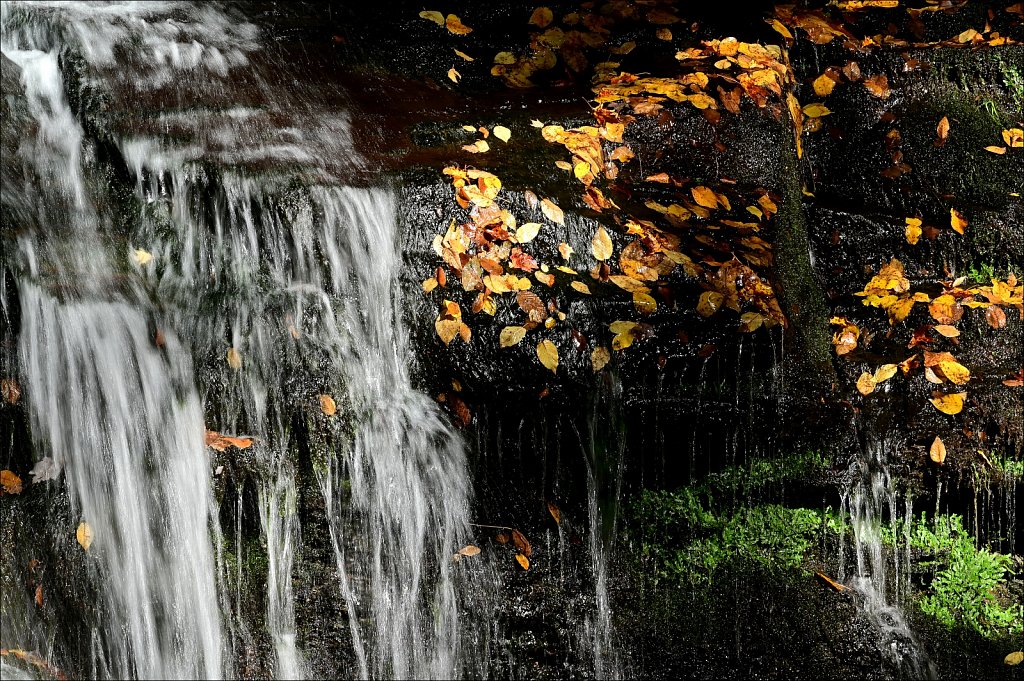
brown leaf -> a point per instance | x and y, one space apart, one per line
937 452
327 405
995 317
234 358
454 25
9 482
218 442
831 582
599 358
943 131
11 390
555 513
39 595
541 17
521 543
878 86
469 550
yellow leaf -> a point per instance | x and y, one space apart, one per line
751 321
502 133
663 34
704 196
141 256
601 244
565 250
523 561
884 373
866 384
454 75
548 355
505 58
511 335
478 147
552 211
1014 658
447 329
327 405
464 55
913 231
599 358
623 340
527 231
816 110
957 220
1014 137
436 17
644 303
455 26
541 17
537 124
996 150
942 129
949 403
429 285
947 330
84 535
823 85
581 170
709 303
581 287
10 482
955 371
469 550
937 452
781 29
234 358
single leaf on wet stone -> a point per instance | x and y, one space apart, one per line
502 133
542 17
937 452
581 287
823 85
913 231
10 483
957 221
947 330
521 543
995 317
430 15
218 442
523 561
709 303
942 130
469 550
601 245
548 355
555 513
1014 137
644 303
429 284
10 390
527 231
565 250
599 358
234 358
866 383
454 25
141 256
552 211
704 196
878 86
1014 658
816 110
996 149
84 535
327 405
464 56
454 75
478 147
948 403
955 372
511 335
884 373
751 321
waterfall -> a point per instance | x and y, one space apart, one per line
295 273
870 500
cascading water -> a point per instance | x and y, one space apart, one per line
870 499
301 284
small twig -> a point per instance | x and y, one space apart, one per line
493 527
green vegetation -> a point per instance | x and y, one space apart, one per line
1014 81
761 473
982 273
968 586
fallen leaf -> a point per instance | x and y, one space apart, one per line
39 595
663 34
478 147
428 285
709 303
234 358
454 75
555 513
141 256
831 582
581 287
948 403
454 25
884 373
644 303
955 372
327 405
464 55
816 110
552 211
11 390
548 355
1014 658
601 244
704 196
878 86
84 535
436 17
957 221
565 250
511 335
541 17
866 383
9 482
527 231
502 133
823 85
996 149
599 358
469 550
947 330
995 317
218 442
521 543
942 129
523 561
937 452
1014 137
913 231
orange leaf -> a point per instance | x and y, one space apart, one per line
327 405
937 452
555 513
519 539
10 482
523 561
454 25
957 221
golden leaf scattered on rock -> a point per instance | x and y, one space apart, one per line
327 405
937 452
548 355
84 535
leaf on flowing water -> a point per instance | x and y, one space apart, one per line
234 358
913 231
548 355
552 211
502 133
511 335
948 403
141 256
45 469
599 358
527 231
455 25
9 482
541 17
1014 658
430 15
523 561
555 513
878 86
957 221
11 390
601 245
947 330
327 405
866 383
464 55
218 442
709 303
521 543
937 452
84 535
942 129
469 550
454 75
